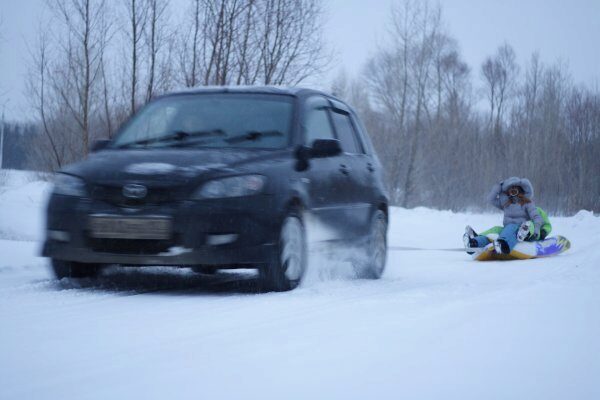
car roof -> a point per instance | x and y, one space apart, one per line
285 90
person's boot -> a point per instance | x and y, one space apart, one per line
469 240
470 232
501 246
523 232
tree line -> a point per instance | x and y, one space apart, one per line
447 132
444 130
95 62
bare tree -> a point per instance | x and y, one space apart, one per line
531 89
37 84
108 97
401 79
189 46
423 62
340 86
291 40
221 33
583 124
137 15
272 42
457 88
247 49
388 76
2 116
156 38
76 75
500 73
2 92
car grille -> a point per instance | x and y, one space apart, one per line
154 196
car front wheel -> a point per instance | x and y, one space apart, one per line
289 265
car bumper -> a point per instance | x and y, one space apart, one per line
227 233
209 255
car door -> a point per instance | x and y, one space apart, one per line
354 184
323 178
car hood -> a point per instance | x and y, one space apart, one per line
168 166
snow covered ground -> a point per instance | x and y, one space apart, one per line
437 326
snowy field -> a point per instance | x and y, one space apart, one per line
437 326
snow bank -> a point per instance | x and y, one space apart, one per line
23 199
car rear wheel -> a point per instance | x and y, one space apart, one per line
285 272
70 269
375 249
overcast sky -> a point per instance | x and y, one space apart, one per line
565 30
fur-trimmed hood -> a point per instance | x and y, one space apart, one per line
515 212
522 182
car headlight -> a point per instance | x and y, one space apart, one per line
68 185
235 186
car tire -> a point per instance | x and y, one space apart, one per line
70 269
286 270
373 265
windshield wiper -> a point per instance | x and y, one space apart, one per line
252 135
177 136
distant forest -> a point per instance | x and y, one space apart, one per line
446 131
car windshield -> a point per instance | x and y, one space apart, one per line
211 120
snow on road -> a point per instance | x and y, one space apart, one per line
436 326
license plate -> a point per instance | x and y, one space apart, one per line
109 227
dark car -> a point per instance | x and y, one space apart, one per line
223 178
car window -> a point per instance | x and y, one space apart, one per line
211 120
362 135
317 124
345 132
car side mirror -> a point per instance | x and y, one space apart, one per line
98 145
322 148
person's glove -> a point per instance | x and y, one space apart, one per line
498 188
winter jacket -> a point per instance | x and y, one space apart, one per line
545 231
515 213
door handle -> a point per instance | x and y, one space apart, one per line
344 169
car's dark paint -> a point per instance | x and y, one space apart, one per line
100 144
342 190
